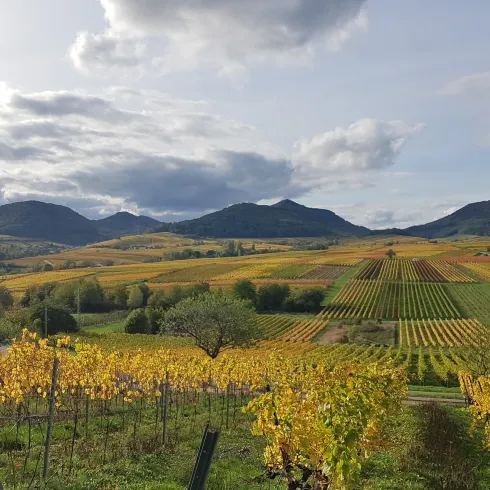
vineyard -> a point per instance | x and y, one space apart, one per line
361 298
117 394
412 270
329 272
122 401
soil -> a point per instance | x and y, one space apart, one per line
334 334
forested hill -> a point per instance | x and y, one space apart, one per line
473 219
284 219
52 222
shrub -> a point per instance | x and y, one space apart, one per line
137 322
8 330
59 319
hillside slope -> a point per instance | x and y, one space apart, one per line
473 219
37 219
284 219
124 223
56 223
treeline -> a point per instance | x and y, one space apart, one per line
230 248
266 298
20 250
70 264
58 301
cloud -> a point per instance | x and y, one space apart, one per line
107 54
226 34
60 104
363 147
382 218
143 150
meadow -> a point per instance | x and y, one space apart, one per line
130 408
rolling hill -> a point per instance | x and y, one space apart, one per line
124 223
284 219
473 219
53 222
60 224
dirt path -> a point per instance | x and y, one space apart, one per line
418 400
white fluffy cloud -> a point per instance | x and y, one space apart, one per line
125 148
227 34
382 218
363 147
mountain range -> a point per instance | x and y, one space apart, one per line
52 222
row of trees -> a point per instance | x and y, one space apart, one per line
279 297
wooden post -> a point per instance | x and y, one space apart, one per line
50 417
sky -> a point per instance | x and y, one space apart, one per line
378 110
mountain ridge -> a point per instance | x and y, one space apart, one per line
472 219
61 224
283 219
287 218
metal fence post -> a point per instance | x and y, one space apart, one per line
204 457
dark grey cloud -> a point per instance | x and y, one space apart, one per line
226 33
170 159
62 104
179 184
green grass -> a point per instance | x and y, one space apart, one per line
116 327
428 448
116 451
434 394
339 283
434 389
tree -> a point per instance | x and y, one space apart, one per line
47 266
390 253
59 319
245 289
137 322
6 298
305 300
135 299
215 322
229 249
91 294
176 294
120 296
146 292
154 316
65 294
158 300
272 296
200 287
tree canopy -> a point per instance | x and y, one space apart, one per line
216 322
